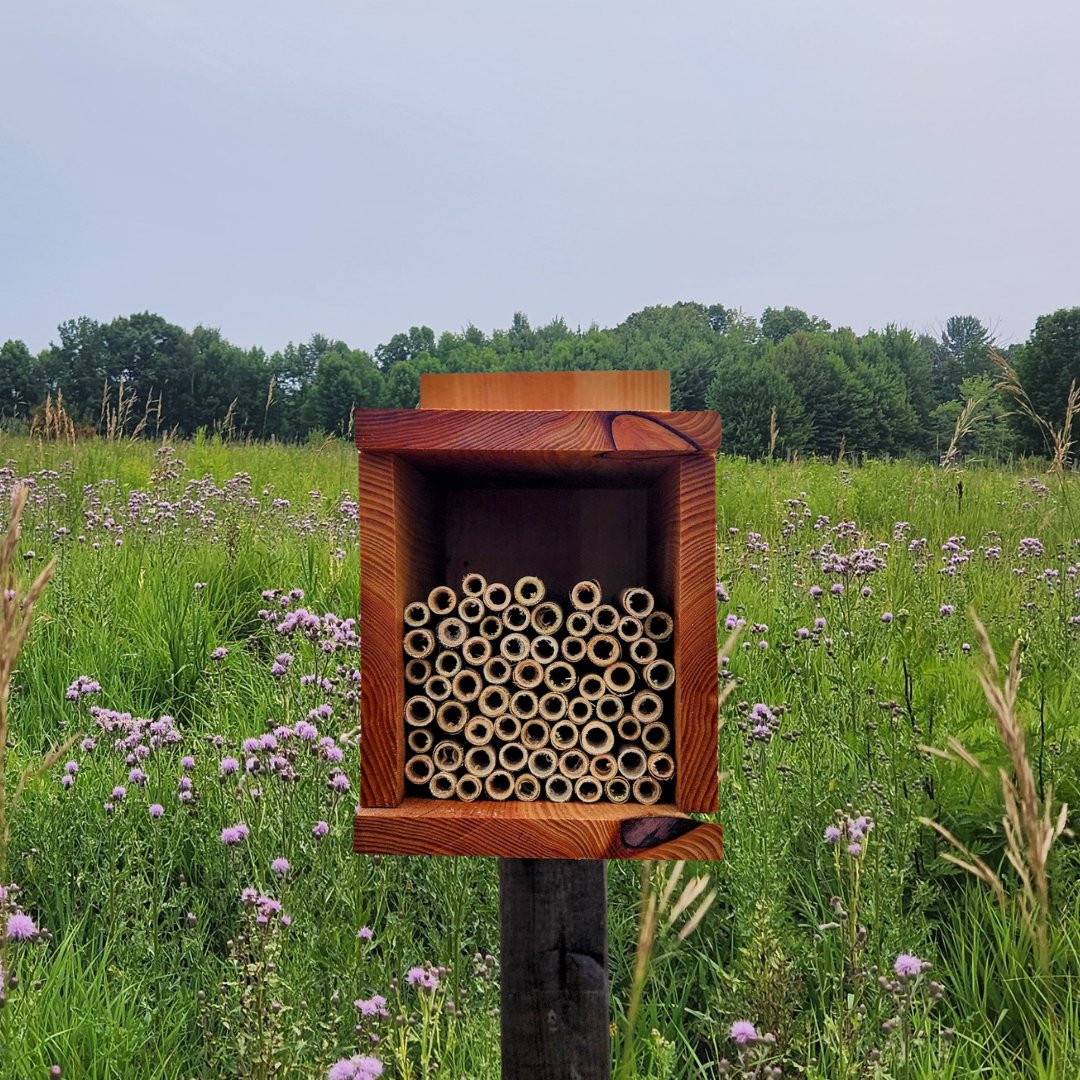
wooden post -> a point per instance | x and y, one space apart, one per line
553 930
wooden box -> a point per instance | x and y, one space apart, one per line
623 495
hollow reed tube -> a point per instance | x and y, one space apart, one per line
605 618
558 788
642 650
660 674
479 731
647 706
535 734
572 650
523 704
560 676
661 766
419 769
547 617
528 674
479 760
629 628
542 763
527 788
442 785
448 663
417 672
471 610
573 763
476 650
620 677
418 643
419 711
580 710
494 700
586 595
497 671
617 789
467 685
636 601
552 706
473 584
508 727
417 614
468 788
442 600
451 632
604 649
597 738
579 624
497 596
646 791
514 647
420 740
499 785
452 716
448 755
603 767
513 757
609 708
564 735
529 591
437 688
490 627
656 736
592 686
659 626
629 728
588 789
515 618
632 763
544 649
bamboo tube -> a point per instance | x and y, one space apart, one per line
558 788
661 766
572 649
592 686
471 610
523 704
442 600
420 740
448 755
620 678
513 757
514 647
547 617
448 664
497 596
477 651
479 731
629 728
636 601
552 706
604 649
597 738
560 676
528 675
629 628
467 685
564 736
451 632
494 700
542 763
609 708
632 763
604 619
573 763
527 788
473 584
580 710
480 760
417 614
419 769
508 727
659 626
579 623
499 785
603 766
417 672
515 618
647 706
529 591
544 649
418 644
535 734
643 650
585 595
497 671
646 791
468 788
442 785
490 627
452 717
419 711
588 789
660 675
656 737
617 789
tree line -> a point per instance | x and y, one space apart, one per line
785 383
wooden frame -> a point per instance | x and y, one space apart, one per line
626 496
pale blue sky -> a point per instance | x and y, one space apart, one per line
353 168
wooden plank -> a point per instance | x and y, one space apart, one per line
414 430
400 555
553 933
696 679
539 830
548 390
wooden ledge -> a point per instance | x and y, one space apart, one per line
539 830
508 432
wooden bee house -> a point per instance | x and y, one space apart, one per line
569 477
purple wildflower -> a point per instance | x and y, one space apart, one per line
219 653
280 866
320 829
946 610
156 810
743 1032
886 616
365 933
907 966
832 834
854 848
20 927
228 766
119 792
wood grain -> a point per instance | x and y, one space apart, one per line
538 830
529 431
554 984
548 390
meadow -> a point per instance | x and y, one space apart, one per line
181 899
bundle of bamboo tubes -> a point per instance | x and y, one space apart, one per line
512 695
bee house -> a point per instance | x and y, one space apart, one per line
538 618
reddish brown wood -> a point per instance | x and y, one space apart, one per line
540 830
548 390
512 432
396 561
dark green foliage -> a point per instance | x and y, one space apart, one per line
887 392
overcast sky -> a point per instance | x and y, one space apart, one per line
279 168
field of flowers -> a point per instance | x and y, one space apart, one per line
180 898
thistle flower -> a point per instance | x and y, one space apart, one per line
228 766
20 927
743 1032
907 966
280 866
320 829
156 810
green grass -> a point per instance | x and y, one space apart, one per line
140 976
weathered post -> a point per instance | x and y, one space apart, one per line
580 485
